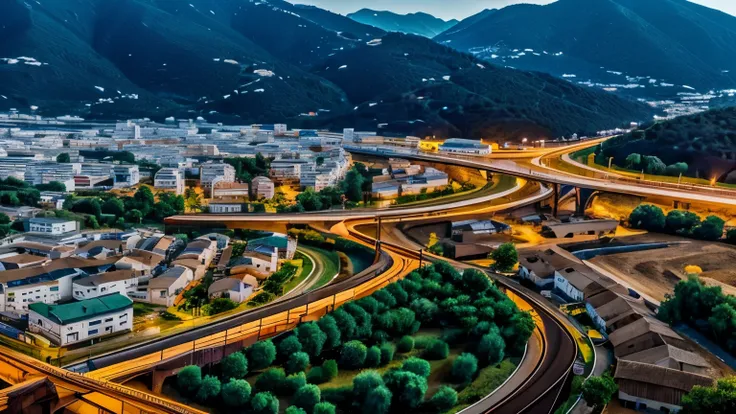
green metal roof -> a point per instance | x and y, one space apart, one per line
82 310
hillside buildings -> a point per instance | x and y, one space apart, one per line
169 179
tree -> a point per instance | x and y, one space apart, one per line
731 236
444 399
55 186
307 397
309 200
89 206
406 344
189 378
464 367
328 325
324 408
633 160
418 366
377 401
676 169
10 199
345 322
113 206
491 349
353 185
292 383
648 217
681 222
63 158
505 257
329 368
134 216
653 165
298 361
236 393
710 229
210 388
234 366
433 239
363 383
718 399
219 305
597 391
270 380
475 281
290 345
436 349
144 201
92 223
4 219
387 353
353 354
312 338
264 403
373 357
261 354
408 388
294 410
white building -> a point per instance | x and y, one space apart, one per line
169 179
234 289
81 321
162 290
101 284
220 207
216 173
464 146
126 175
52 226
263 187
46 172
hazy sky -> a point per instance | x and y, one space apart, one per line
456 9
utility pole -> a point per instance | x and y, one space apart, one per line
421 258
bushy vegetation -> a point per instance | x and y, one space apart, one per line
718 399
684 223
705 308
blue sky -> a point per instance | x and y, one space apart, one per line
456 9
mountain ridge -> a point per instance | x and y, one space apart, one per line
418 23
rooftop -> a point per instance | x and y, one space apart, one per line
673 353
107 277
82 310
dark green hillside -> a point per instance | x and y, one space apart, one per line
338 23
705 141
476 97
675 40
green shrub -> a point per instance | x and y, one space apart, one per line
353 354
406 344
341 397
290 345
491 349
329 369
298 361
234 366
377 401
270 380
264 403
312 338
387 353
408 388
464 367
423 341
328 325
418 366
292 383
444 399
363 383
210 388
236 393
294 410
324 408
488 379
436 350
189 379
373 357
316 375
647 217
261 355
307 397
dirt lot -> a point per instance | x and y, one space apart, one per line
656 272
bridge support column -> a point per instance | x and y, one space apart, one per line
157 380
579 204
555 199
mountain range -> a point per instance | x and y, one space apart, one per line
272 61
653 43
421 24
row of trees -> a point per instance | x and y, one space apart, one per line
684 223
705 308
653 165
366 334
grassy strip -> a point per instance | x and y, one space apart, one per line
488 380
306 269
330 265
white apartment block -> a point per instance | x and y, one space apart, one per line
52 226
123 282
81 321
216 173
263 188
126 175
169 179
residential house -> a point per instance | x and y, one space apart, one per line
644 334
100 284
231 288
263 187
163 289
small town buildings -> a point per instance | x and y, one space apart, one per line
213 173
644 386
570 229
220 207
464 147
82 321
231 288
231 191
669 356
643 334
169 179
126 175
101 284
163 289
263 188
52 226
541 267
284 245
468 231
140 260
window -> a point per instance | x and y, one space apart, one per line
163 294
122 323
97 322
72 337
92 332
123 316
